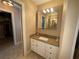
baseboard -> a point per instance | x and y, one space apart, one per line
28 52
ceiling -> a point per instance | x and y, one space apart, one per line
39 2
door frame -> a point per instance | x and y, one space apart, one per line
24 26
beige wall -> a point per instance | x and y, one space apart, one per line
16 20
50 4
69 23
30 16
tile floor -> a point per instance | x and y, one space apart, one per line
16 52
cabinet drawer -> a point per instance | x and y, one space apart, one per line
51 56
52 51
51 48
41 44
33 41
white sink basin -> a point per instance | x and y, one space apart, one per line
43 38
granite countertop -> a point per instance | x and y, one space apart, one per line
51 41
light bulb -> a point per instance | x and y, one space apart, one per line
44 11
52 10
10 4
48 10
4 2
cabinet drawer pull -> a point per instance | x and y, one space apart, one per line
50 53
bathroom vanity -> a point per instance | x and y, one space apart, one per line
45 46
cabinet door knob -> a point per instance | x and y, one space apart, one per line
50 53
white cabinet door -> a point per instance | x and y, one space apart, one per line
41 49
51 52
34 45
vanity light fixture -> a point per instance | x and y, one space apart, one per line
48 10
44 11
7 2
52 10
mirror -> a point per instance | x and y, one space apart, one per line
49 21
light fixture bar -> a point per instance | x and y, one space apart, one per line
49 10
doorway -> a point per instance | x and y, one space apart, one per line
76 53
6 30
